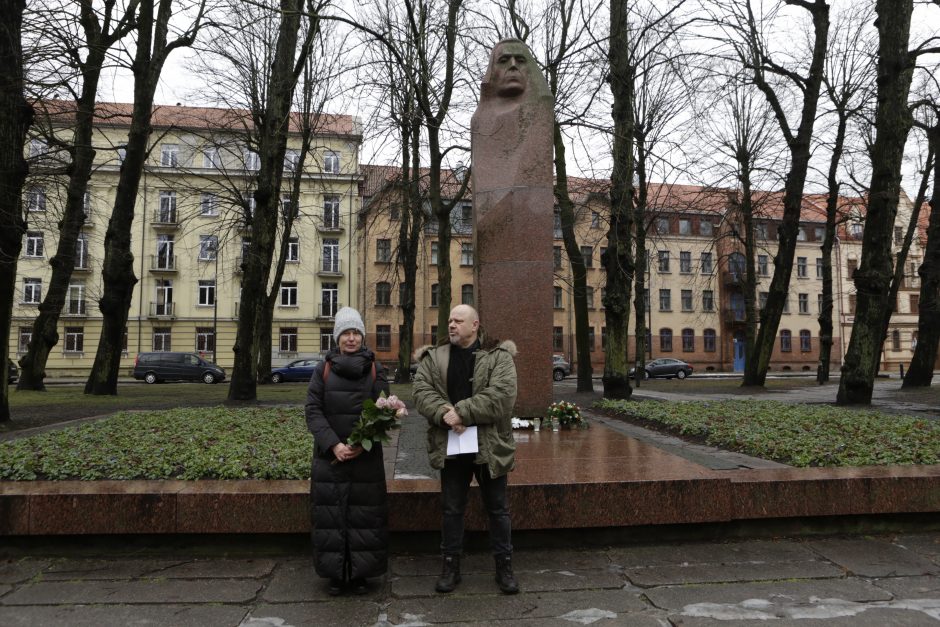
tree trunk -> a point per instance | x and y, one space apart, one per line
272 147
873 277
618 260
16 116
576 259
751 316
409 240
642 291
832 211
920 372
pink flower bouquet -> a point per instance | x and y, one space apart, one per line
378 418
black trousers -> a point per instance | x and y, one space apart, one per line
456 475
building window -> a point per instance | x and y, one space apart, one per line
801 267
207 292
81 252
709 340
161 339
685 262
291 160
587 253
707 265
34 244
852 298
211 158
786 345
589 297
32 291
383 294
663 258
556 257
435 294
803 300
595 220
289 294
706 228
329 300
556 295
288 339
762 299
252 160
293 249
86 203
383 251
556 223
688 340
331 212
915 303
286 208
819 267
761 231
665 300
164 304
820 233
167 209
169 155
331 261
895 340
331 162
209 204
466 294
665 340
763 267
249 204
603 338
806 342
36 199
75 302
74 339
686 300
208 247
685 226
26 334
662 226
801 234
898 235
383 337
435 254
205 339
326 339
708 300
558 339
466 254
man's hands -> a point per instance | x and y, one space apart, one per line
345 453
452 419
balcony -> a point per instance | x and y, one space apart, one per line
330 268
733 278
733 315
162 310
75 309
163 263
331 224
165 220
327 311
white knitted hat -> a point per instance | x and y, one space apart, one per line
347 318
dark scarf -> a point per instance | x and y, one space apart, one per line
460 372
353 366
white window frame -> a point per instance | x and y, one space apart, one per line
32 291
206 293
162 339
289 294
209 204
383 251
74 340
331 212
293 250
252 160
167 207
170 155
211 159
332 262
706 259
331 162
466 254
36 199
35 244
287 339
208 247
291 160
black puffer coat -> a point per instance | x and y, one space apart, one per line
350 513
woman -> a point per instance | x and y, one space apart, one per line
350 515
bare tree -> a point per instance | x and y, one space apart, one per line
155 42
15 119
893 121
848 83
745 29
86 54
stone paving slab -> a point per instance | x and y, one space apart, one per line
15 570
542 581
676 597
874 557
314 614
141 591
870 618
121 616
583 617
911 587
120 568
483 609
727 573
523 561
924 544
754 551
215 568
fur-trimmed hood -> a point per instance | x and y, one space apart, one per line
485 344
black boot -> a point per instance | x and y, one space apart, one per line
504 577
450 574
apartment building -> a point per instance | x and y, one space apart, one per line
191 230
694 273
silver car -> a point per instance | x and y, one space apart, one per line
560 367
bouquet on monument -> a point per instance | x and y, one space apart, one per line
378 418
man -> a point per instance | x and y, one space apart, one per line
470 382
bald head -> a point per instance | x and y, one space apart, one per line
463 326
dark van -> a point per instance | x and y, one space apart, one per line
154 367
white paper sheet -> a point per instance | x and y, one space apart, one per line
466 442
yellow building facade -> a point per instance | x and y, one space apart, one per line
191 227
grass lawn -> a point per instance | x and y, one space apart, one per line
799 435
61 403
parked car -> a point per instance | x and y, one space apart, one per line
13 373
297 370
154 367
560 367
665 367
